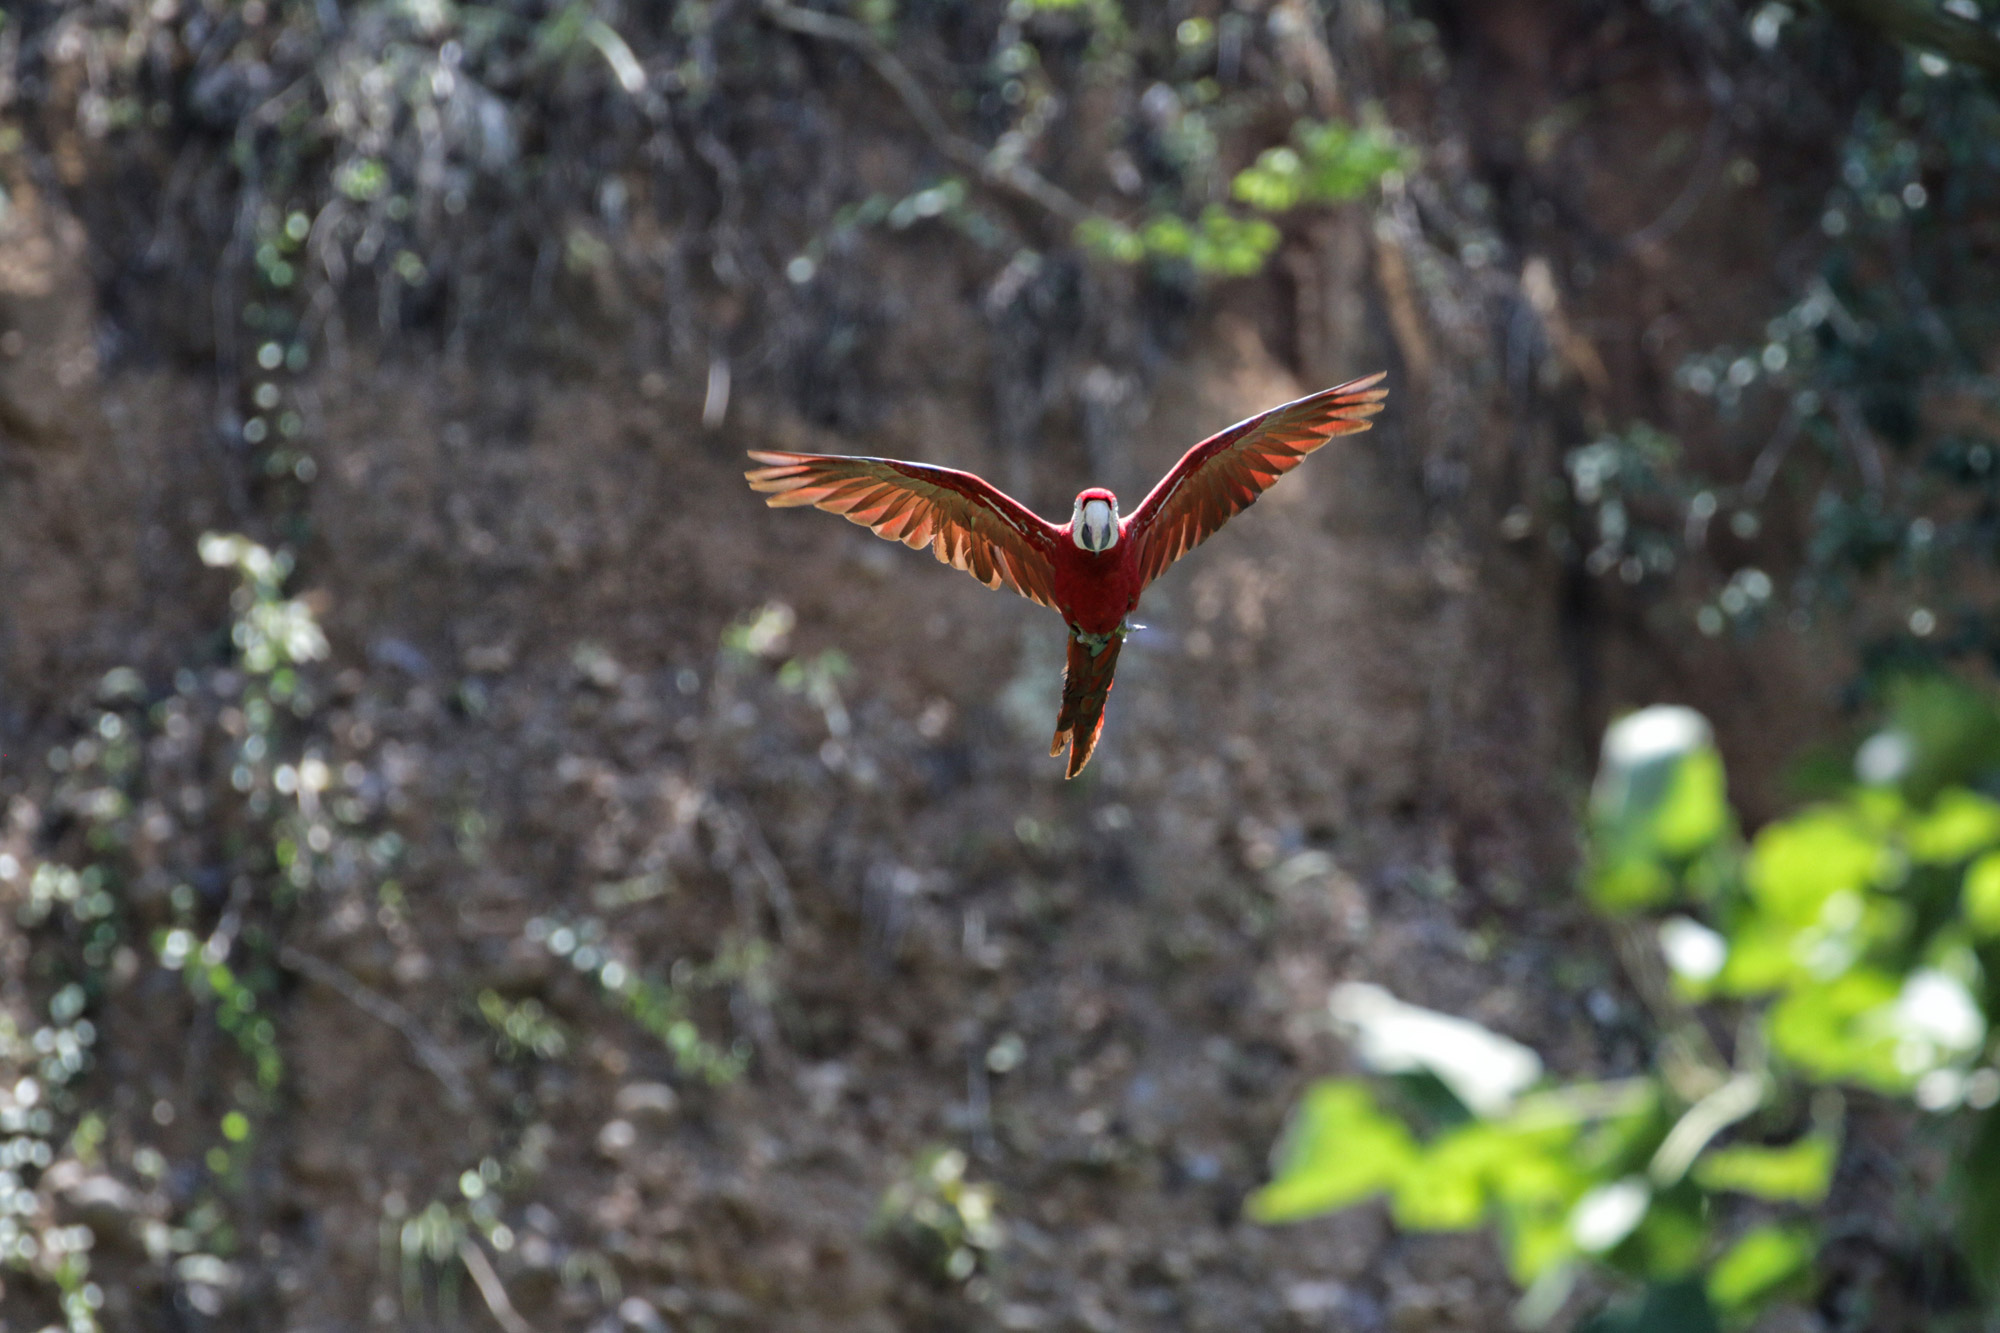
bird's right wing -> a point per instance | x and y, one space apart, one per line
968 523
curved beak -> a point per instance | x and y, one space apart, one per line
1094 525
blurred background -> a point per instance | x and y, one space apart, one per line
467 864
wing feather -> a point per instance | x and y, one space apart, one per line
967 522
1224 474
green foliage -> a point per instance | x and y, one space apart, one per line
1862 411
663 1008
1758 1266
295 824
1341 1148
1658 812
1332 163
1799 1172
522 1028
1217 242
1853 946
428 1248
947 1224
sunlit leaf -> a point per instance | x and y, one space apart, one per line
1981 901
1538 1242
1761 957
1798 1171
1340 1149
1659 802
1631 884
1796 865
1526 1169
1840 1029
1230 245
1759 1264
1958 824
1695 811
1331 163
1167 236
1444 1188
1642 755
1274 183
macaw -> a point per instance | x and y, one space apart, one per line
1093 568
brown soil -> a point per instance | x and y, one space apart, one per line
1349 746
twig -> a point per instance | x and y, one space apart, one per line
1765 470
1688 1056
490 1287
776 887
381 1008
1733 1101
1860 442
1012 175
1713 141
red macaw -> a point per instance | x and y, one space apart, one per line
1093 568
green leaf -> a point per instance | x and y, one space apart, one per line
1113 240
1631 883
1659 802
1695 812
1840 1029
1798 1171
1229 245
1444 1189
1523 1169
1758 1265
1332 163
1760 957
1953 728
1981 901
1796 865
1274 183
1344 161
1340 1149
1956 826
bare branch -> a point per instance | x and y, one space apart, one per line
490 1287
1012 175
385 1010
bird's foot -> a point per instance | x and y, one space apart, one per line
1097 643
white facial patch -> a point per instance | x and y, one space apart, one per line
1094 524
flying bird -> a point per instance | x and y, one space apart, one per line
1092 568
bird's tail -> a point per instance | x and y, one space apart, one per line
1086 685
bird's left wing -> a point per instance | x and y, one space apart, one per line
1220 477
969 523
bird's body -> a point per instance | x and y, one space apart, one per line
1093 568
1096 590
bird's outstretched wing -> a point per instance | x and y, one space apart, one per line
1220 477
967 522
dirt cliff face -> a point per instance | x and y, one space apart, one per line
1347 744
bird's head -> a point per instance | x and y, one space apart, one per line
1093 525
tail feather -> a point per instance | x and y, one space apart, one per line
1086 686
